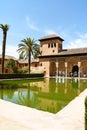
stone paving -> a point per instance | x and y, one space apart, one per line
17 117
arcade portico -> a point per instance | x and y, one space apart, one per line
58 61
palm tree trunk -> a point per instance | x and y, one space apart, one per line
3 50
29 61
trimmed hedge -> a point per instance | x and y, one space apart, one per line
12 76
86 113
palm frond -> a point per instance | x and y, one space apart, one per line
4 27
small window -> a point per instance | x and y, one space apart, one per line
6 70
54 44
48 45
41 64
35 65
53 50
25 65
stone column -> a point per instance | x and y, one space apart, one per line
79 64
57 65
65 69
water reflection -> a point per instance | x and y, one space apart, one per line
48 95
7 93
23 96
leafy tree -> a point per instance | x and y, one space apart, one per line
11 64
23 70
26 49
4 28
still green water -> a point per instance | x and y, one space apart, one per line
47 95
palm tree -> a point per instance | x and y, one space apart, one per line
36 51
27 48
24 99
4 28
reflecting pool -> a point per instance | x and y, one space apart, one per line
49 94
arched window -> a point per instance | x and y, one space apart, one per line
75 71
48 45
54 44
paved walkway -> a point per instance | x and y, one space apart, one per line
16 117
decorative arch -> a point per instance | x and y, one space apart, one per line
72 61
83 67
75 70
52 69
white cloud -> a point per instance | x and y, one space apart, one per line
81 41
11 51
49 31
31 25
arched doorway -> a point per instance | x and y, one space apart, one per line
75 70
52 69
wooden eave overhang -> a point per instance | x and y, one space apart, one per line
63 55
50 37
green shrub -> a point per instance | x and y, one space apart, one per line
86 113
12 76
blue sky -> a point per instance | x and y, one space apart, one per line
38 18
